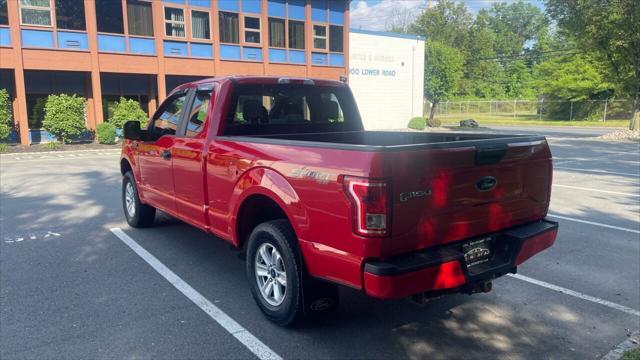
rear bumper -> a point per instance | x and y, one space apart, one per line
444 268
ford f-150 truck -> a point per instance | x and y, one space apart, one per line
283 169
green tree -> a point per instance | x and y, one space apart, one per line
610 29
128 109
571 77
64 116
442 74
481 78
6 122
518 78
446 22
516 25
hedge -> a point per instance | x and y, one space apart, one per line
64 116
417 123
128 109
6 122
106 133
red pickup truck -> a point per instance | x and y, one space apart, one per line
283 169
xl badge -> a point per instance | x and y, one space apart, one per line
486 183
406 196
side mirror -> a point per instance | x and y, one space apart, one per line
132 130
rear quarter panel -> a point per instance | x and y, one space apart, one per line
307 183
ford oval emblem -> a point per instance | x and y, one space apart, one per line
487 183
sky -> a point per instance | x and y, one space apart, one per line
376 14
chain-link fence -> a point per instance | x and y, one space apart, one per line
590 110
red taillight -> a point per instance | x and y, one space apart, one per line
370 199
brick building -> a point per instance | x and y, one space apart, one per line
142 49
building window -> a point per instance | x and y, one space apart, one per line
320 37
35 12
200 28
109 16
296 34
70 14
4 14
139 18
174 22
276 32
229 28
252 29
336 39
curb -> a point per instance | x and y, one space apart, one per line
31 153
632 342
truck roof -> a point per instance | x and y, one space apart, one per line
253 79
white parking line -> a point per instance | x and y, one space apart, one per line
257 347
595 223
596 190
596 171
579 295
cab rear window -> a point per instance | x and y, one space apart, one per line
290 108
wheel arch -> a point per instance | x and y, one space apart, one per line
125 166
265 195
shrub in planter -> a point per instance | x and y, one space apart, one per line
6 123
417 123
64 116
435 122
106 133
128 109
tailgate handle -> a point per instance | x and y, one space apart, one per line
487 155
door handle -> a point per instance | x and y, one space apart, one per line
166 154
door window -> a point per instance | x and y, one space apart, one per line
198 113
167 119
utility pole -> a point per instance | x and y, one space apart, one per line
429 4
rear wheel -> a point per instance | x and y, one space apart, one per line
274 271
136 213
279 283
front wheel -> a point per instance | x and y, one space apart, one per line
136 213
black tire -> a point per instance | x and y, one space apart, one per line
143 215
304 296
279 235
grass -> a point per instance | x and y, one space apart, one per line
507 119
633 354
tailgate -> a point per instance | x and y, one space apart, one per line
448 194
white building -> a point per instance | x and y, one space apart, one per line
386 75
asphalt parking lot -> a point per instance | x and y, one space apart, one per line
70 288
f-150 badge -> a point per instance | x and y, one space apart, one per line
406 196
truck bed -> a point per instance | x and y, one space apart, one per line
388 140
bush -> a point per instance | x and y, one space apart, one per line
3 147
434 123
6 123
126 110
64 116
106 133
53 145
417 123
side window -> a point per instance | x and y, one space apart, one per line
166 121
198 113
331 110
